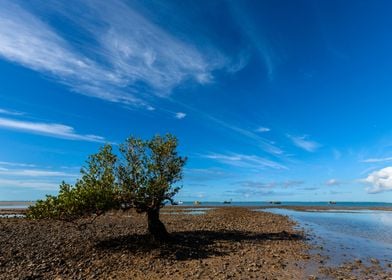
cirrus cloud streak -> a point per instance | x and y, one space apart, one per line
129 59
49 129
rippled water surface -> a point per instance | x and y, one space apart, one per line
15 204
348 235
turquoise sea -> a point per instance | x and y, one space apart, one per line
21 204
291 203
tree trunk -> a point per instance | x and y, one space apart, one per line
155 226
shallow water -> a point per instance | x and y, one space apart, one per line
21 206
12 215
198 209
347 235
290 203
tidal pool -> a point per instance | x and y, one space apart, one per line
12 216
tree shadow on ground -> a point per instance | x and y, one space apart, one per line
187 245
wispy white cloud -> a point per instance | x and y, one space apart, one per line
338 192
26 40
290 183
379 181
21 175
34 173
180 115
268 185
333 182
34 184
128 51
377 160
336 154
142 50
191 195
303 143
205 174
245 161
264 144
48 129
255 184
252 193
263 129
9 112
249 134
240 64
260 41
18 164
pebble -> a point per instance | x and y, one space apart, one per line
227 243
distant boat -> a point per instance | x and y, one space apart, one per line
332 202
177 202
275 202
227 202
197 202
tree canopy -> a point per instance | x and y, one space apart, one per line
142 176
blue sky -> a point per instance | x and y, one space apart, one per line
271 100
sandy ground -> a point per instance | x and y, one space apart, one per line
224 243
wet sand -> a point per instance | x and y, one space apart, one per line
223 243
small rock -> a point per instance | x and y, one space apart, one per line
374 261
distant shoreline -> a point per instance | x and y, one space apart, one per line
21 202
247 203
20 207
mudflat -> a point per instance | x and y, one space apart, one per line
223 243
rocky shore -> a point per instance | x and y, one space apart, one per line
223 243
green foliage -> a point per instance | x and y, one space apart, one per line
142 177
94 193
148 170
